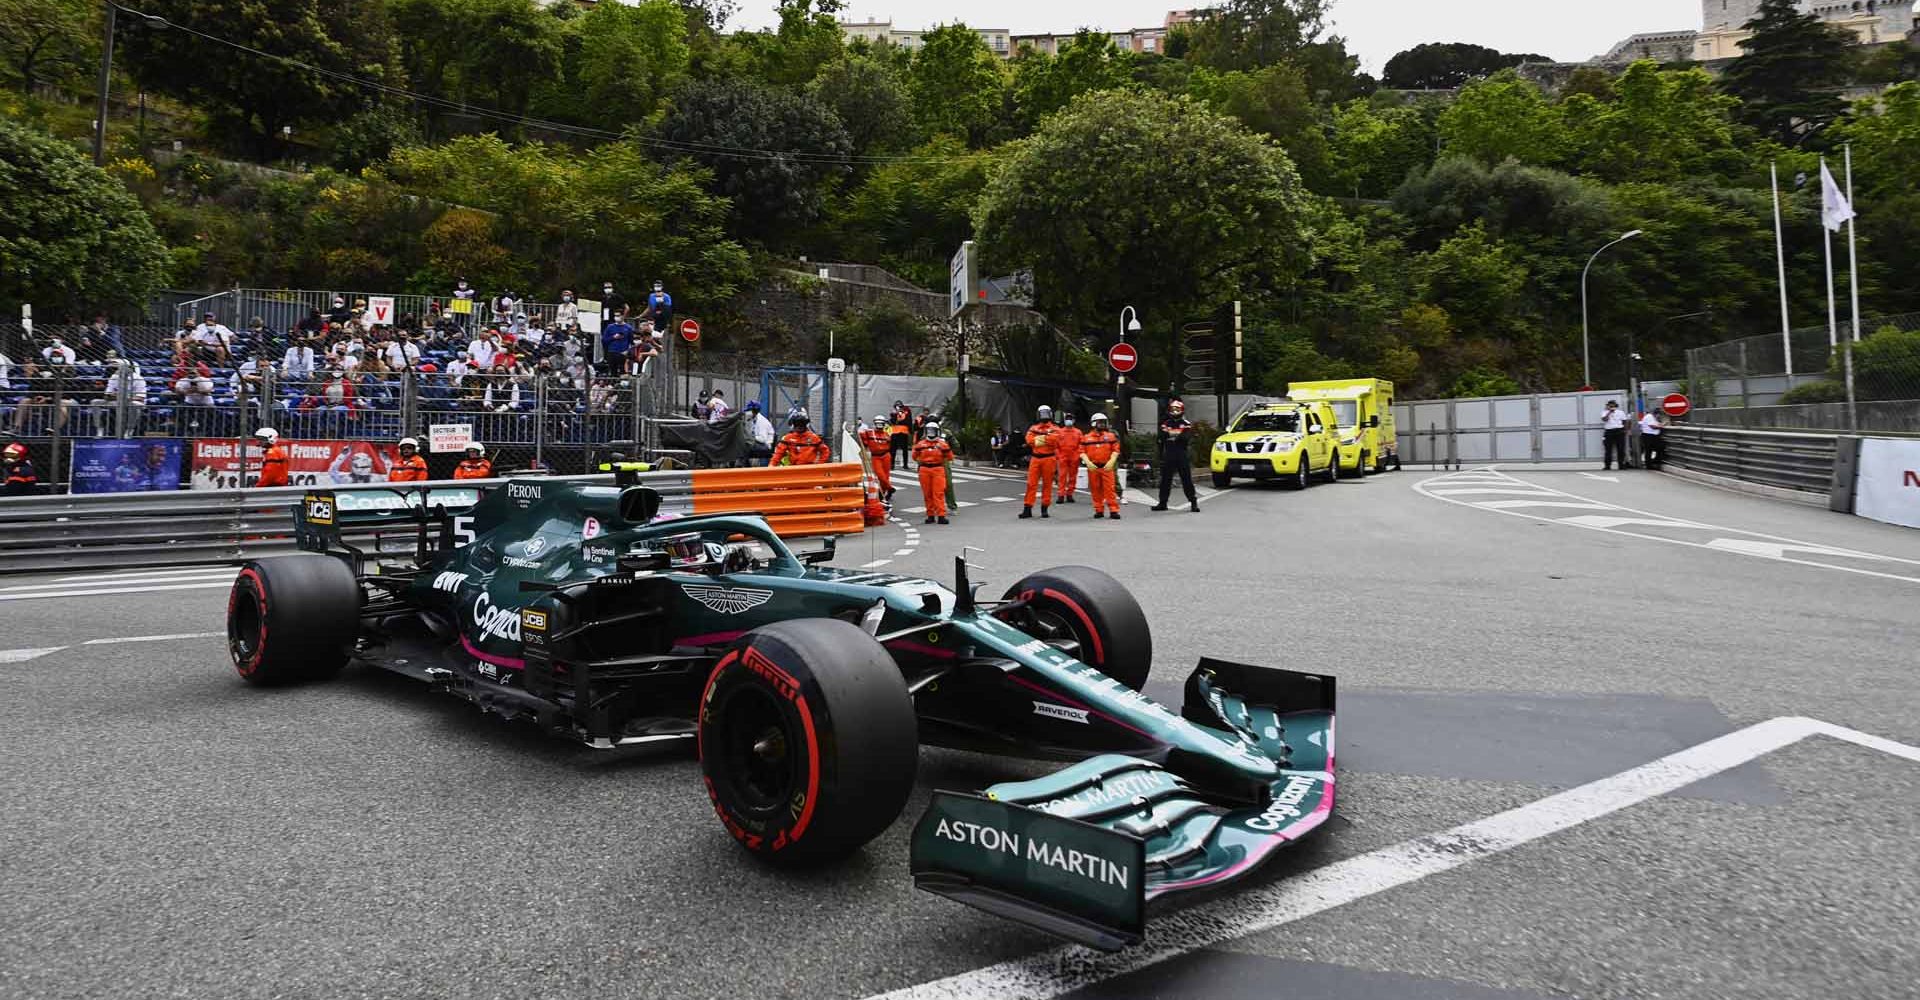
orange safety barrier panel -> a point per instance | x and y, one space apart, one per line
782 477
838 498
803 525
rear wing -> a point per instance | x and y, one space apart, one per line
323 520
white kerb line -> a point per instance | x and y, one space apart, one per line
1068 968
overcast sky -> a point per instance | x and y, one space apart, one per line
1375 29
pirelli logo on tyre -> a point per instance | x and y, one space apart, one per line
319 509
532 620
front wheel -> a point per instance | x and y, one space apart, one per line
1089 609
1222 480
1302 473
808 740
292 619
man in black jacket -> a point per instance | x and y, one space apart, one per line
1174 456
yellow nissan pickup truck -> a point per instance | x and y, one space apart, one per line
1287 440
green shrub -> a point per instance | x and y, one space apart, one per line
1886 365
1823 391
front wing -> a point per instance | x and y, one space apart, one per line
1082 852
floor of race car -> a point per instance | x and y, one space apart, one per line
165 831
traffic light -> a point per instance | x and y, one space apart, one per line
1229 364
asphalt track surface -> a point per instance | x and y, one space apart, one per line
166 831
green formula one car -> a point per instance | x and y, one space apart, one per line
588 610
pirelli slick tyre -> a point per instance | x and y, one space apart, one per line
808 740
292 619
1093 609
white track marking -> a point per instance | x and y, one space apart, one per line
154 638
876 564
114 590
999 499
1621 525
903 552
149 574
1604 479
80 583
1068 968
23 655
1451 491
1513 504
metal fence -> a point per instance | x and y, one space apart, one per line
1546 427
1811 363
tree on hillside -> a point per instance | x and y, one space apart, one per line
1273 101
1790 72
631 56
1659 125
1447 65
1504 117
42 38
1043 84
250 97
1142 198
871 98
1250 34
72 238
773 152
510 48
1372 148
909 215
807 39
957 84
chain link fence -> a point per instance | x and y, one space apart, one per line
1806 380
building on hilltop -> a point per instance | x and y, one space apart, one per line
1006 45
1872 22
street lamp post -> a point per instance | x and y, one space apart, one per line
1129 323
1586 353
106 79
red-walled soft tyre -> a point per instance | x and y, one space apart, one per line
292 619
1096 610
808 740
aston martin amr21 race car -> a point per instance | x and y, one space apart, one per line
581 608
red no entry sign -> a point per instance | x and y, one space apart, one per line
1123 357
1676 405
690 331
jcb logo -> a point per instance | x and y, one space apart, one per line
534 620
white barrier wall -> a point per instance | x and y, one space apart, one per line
1887 486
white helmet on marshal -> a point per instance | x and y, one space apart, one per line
1046 413
413 443
268 433
930 427
475 446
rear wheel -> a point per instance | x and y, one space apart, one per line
808 740
1094 611
1222 480
292 619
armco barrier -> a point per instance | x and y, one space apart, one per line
1784 460
193 527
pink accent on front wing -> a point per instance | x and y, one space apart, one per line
1056 696
484 657
1294 831
710 639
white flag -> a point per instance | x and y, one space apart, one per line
1835 209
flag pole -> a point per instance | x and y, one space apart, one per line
1853 258
1780 259
1826 241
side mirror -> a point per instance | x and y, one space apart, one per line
639 504
1373 421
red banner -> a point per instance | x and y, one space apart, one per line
216 463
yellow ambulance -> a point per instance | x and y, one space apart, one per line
1364 409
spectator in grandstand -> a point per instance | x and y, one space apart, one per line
57 353
717 408
192 380
371 385
533 340
484 348
17 478
463 292
475 464
259 340
503 307
299 362
313 326
245 380
613 305
660 307
617 339
703 406
646 347
402 354
211 341
567 317
128 374
38 390
99 338
335 393
458 368
6 370
339 313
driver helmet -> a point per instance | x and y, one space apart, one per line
1046 413
475 448
15 452
267 434
1176 407
406 443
